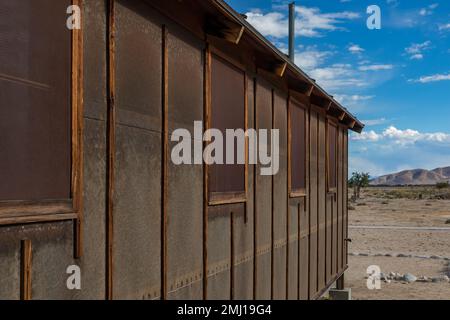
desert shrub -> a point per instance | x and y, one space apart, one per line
442 185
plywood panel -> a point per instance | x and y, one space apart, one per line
322 203
279 201
263 206
313 216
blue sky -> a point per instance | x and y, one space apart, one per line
396 80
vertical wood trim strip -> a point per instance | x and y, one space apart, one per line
206 115
164 160
272 256
232 256
26 260
318 201
326 198
77 135
255 171
246 142
288 213
298 248
111 149
308 197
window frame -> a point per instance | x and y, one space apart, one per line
297 193
25 211
331 189
223 198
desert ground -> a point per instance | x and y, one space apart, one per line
401 230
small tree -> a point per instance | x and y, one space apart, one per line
357 181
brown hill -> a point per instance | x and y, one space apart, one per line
414 177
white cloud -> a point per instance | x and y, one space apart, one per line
417 56
337 76
367 136
428 10
351 99
415 50
270 24
444 27
432 78
355 49
402 137
310 57
376 67
374 122
310 22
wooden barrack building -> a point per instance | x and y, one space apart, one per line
86 177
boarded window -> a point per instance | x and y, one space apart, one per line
298 148
332 157
227 112
35 97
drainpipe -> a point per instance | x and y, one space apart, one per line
292 31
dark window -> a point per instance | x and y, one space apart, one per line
35 100
298 148
227 181
332 157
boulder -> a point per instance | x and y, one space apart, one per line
409 277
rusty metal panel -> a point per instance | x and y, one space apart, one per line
137 214
303 268
185 231
35 86
329 238
93 261
52 249
243 253
52 254
263 205
243 232
219 252
280 196
185 209
94 76
9 265
186 64
313 216
342 183
227 112
138 76
293 250
322 202
304 249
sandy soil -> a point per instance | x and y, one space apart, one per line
374 209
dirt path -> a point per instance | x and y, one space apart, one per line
401 228
402 236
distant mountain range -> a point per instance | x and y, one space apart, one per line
414 177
